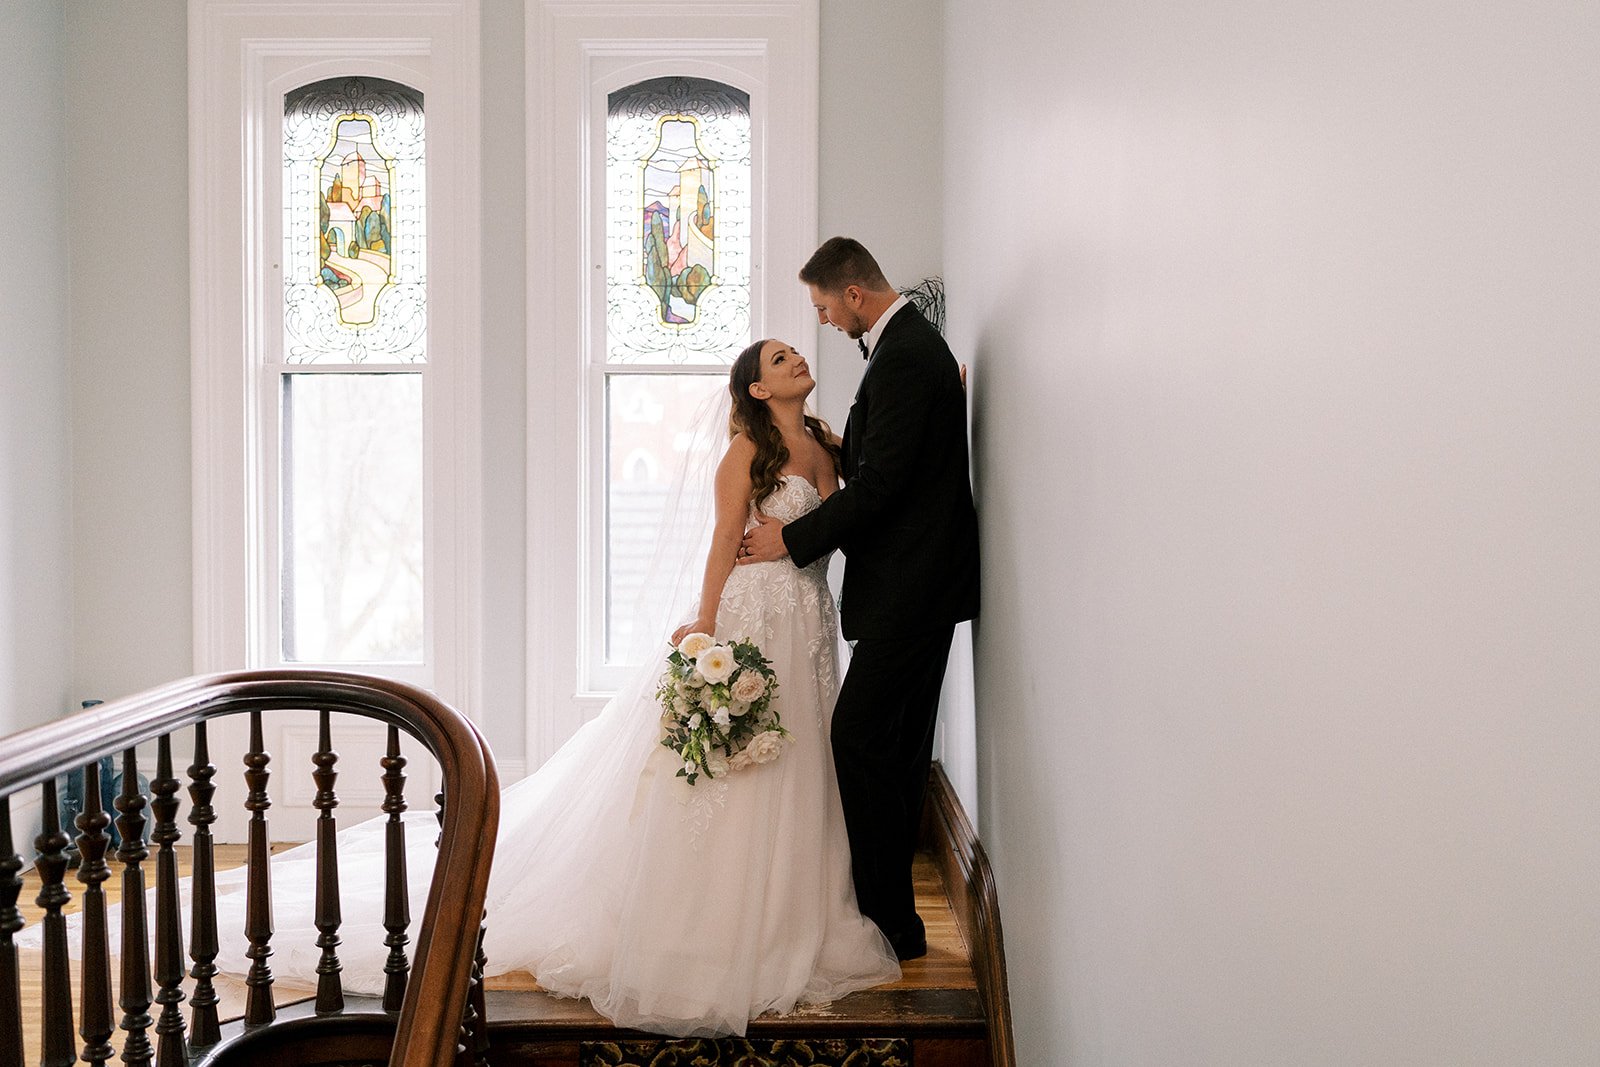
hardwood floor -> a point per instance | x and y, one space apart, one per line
230 991
943 981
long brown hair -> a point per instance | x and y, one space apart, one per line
753 418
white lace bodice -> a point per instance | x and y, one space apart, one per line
757 595
793 498
765 601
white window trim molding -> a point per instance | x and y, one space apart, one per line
578 51
242 53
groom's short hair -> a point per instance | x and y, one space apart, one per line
841 262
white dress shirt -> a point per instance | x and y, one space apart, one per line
870 338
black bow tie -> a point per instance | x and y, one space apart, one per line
862 344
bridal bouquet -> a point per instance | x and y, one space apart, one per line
716 707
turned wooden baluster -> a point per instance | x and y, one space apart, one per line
56 1009
396 894
258 886
479 1015
203 897
330 995
472 1012
137 992
171 1048
95 1025
10 923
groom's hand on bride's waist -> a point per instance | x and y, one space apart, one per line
763 543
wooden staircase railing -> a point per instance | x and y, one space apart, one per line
426 1000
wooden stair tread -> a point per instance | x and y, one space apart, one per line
889 1009
882 1011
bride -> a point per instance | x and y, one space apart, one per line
681 909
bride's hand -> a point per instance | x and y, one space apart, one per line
699 626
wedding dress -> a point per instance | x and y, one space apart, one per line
683 910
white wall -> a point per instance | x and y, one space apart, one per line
128 254
1285 324
879 161
35 453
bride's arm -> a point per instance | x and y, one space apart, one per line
732 506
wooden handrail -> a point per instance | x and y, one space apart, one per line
445 951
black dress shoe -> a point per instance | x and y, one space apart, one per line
911 945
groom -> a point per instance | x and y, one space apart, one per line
906 524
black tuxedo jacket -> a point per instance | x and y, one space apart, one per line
904 518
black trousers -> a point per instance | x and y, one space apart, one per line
882 746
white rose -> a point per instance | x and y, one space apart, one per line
740 760
696 680
716 767
695 643
765 747
749 686
738 707
715 664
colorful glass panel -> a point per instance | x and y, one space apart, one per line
678 236
355 278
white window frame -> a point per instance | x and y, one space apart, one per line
243 56
579 51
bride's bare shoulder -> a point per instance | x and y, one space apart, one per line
733 473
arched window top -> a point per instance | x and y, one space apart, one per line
678 233
354 234
679 96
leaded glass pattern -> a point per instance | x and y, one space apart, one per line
355 278
678 234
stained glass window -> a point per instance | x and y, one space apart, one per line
678 255
677 222
355 277
351 440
